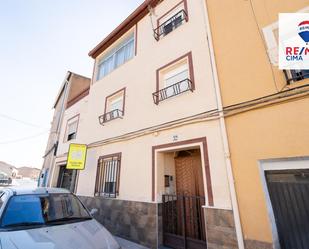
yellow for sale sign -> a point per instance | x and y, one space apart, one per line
77 156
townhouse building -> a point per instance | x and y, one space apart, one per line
266 113
157 165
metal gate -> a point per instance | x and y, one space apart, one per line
289 194
183 222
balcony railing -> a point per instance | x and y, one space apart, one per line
173 90
169 25
295 75
106 117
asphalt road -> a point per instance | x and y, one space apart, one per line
25 182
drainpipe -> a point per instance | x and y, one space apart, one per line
228 163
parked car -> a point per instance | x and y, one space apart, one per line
5 179
42 218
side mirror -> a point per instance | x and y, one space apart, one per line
93 211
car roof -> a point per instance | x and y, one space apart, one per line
36 190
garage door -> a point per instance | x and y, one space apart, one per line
289 195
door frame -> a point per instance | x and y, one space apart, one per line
200 143
76 177
289 163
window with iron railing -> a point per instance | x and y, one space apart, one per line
174 80
172 90
296 75
116 113
114 107
108 176
171 24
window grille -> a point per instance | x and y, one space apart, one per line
108 174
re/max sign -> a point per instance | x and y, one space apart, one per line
296 53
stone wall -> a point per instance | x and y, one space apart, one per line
220 229
255 244
136 221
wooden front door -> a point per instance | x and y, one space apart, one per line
183 219
189 174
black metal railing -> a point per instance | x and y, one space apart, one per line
108 116
183 219
173 90
107 179
295 75
169 25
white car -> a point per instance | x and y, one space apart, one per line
49 218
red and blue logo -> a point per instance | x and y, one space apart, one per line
297 53
303 31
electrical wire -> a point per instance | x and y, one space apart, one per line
24 138
302 91
20 121
264 44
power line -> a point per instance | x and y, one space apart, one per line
20 121
23 139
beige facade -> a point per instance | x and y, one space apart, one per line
267 131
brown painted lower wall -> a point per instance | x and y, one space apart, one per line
254 244
220 229
136 221
221 232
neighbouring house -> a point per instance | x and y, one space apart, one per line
73 91
267 120
10 170
29 172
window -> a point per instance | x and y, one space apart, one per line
108 174
271 36
173 23
121 54
41 210
296 75
71 129
114 106
174 78
171 20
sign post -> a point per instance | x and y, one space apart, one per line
77 156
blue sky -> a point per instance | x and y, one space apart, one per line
40 40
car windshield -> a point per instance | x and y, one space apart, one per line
38 210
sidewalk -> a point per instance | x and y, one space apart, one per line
126 244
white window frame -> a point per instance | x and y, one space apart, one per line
130 38
70 122
113 101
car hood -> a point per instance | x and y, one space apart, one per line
80 235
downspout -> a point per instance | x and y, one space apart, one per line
65 93
228 163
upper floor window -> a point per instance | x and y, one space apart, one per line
114 106
174 78
296 75
71 129
118 56
171 20
271 36
108 176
